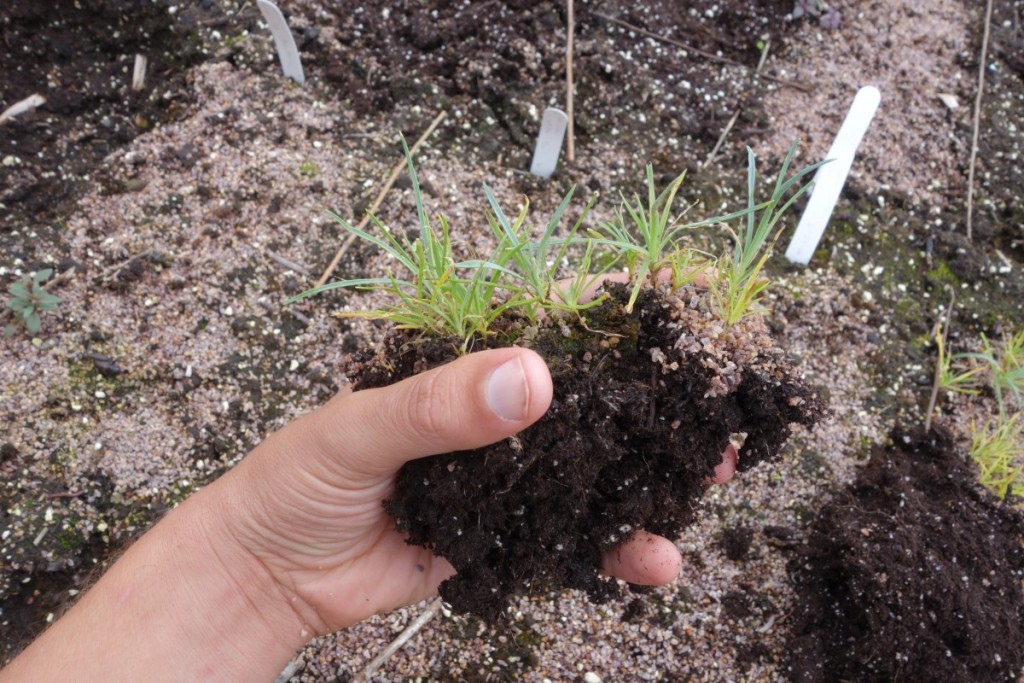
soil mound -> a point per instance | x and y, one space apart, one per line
914 573
641 414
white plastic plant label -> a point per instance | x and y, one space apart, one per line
287 51
830 178
549 142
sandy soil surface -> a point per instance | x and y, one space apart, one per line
173 352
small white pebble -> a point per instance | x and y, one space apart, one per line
591 677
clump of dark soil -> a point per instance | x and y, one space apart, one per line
641 414
913 573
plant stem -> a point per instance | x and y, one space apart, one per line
938 366
977 120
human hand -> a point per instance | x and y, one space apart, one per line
307 502
294 541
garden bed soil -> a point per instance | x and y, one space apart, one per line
913 573
645 403
174 203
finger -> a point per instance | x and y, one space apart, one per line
471 402
727 468
644 559
651 560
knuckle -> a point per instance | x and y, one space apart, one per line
429 407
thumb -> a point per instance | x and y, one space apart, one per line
471 402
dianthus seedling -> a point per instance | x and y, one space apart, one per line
955 379
439 294
740 284
27 300
649 240
534 266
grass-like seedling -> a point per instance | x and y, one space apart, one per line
439 295
446 297
1004 362
650 240
740 282
955 378
998 446
27 300
998 449
534 266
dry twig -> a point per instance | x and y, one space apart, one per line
410 630
938 366
977 119
111 272
570 149
380 198
290 265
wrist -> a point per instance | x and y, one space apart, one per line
277 622
186 602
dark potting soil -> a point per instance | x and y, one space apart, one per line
79 56
913 573
637 425
499 60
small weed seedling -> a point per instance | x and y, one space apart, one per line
445 297
27 300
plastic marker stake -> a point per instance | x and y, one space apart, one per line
287 51
549 142
830 178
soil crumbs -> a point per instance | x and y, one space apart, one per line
914 573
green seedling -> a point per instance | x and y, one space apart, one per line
27 300
648 238
956 379
446 297
534 266
741 285
998 449
440 295
649 241
1005 365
